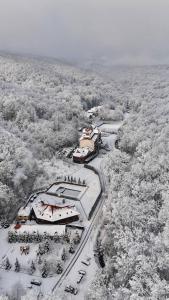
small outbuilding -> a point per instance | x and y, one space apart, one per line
24 214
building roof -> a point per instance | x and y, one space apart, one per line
39 229
50 201
90 133
51 213
80 152
24 211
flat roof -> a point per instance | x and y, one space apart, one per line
53 190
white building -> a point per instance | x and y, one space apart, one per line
49 212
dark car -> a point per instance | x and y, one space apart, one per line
71 289
36 282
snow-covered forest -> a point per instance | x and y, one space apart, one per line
135 229
42 104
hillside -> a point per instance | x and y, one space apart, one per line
42 104
134 235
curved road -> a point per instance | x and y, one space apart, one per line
83 242
96 163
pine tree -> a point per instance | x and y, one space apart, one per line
59 268
71 248
45 270
67 237
10 237
63 256
46 247
76 237
17 265
79 181
39 260
41 250
33 268
7 264
56 237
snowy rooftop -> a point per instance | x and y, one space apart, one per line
79 152
95 109
24 211
88 133
69 188
53 213
53 201
41 229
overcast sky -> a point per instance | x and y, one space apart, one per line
129 31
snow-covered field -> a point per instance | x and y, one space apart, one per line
111 127
54 168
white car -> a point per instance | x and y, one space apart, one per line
85 262
79 278
82 272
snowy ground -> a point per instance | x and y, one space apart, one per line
19 282
53 169
110 127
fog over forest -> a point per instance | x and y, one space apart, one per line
117 31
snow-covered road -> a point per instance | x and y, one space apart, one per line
87 247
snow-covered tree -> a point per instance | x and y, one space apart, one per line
39 260
59 268
45 269
64 254
7 264
17 265
76 237
32 267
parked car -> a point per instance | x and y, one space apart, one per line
71 289
82 272
85 262
31 199
36 282
80 278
